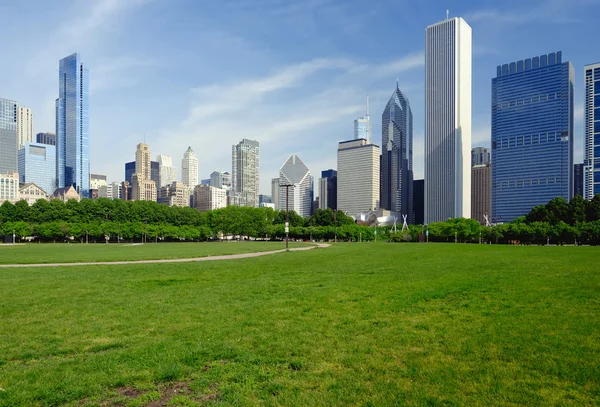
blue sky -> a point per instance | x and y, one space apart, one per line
291 74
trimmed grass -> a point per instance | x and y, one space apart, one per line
77 253
353 324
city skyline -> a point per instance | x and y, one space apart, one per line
328 81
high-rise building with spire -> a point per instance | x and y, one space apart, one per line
362 126
189 168
448 120
143 188
72 126
397 155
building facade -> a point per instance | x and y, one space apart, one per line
9 187
65 194
591 170
447 120
419 201
481 192
46 138
189 168
532 135
481 156
245 160
208 198
99 184
37 164
328 190
362 126
31 193
578 180
24 126
175 194
358 176
72 126
396 156
167 174
275 193
8 136
220 179
296 188
143 189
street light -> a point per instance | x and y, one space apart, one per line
287 213
14 236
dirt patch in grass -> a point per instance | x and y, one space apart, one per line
170 391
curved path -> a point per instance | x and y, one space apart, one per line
207 258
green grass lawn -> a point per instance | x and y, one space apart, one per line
77 252
350 325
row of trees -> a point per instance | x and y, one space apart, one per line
119 220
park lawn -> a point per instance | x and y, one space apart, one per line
76 252
352 324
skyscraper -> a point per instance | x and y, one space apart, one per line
328 190
532 135
396 156
419 201
46 138
275 193
37 164
24 125
578 180
143 188
245 157
362 126
447 120
357 176
296 176
591 162
189 168
72 126
8 136
167 173
480 156
481 192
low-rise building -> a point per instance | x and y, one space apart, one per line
31 193
208 198
174 194
9 187
65 194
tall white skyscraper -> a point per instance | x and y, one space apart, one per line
189 168
245 160
447 120
362 126
167 174
300 191
24 126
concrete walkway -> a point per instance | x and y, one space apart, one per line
207 258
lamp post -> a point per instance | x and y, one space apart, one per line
106 237
14 236
335 225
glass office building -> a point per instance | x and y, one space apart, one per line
8 136
396 156
37 164
532 135
591 175
72 126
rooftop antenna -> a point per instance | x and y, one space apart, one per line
447 14
367 104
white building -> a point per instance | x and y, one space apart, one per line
245 160
9 187
208 198
448 120
357 176
24 126
98 182
167 174
175 194
189 168
113 190
300 191
31 193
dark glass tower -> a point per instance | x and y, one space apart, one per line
396 156
72 126
532 135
